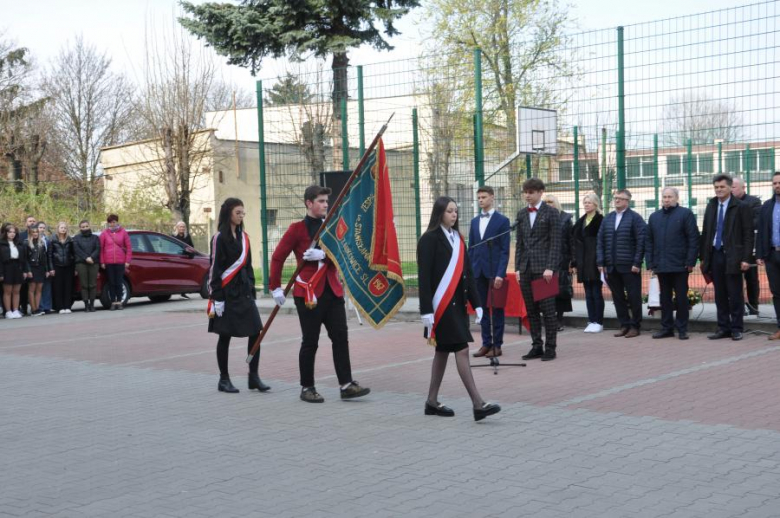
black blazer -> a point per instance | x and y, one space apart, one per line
584 243
433 255
737 235
538 248
764 237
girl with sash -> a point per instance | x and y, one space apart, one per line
446 284
232 310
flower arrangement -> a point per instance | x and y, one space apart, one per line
694 297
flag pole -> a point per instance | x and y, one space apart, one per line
331 212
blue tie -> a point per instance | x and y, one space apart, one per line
719 229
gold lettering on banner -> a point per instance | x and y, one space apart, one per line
361 246
367 203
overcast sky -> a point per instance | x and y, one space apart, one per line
118 27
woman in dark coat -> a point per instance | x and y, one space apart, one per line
180 233
449 331
565 291
584 242
63 262
12 268
232 289
37 268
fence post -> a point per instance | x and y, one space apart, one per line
416 162
263 197
747 168
621 135
720 157
656 183
689 171
361 113
527 166
344 137
576 171
604 172
479 169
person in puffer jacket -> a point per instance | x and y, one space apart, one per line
115 256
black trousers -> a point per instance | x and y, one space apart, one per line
772 264
497 337
115 273
729 300
547 309
62 287
677 282
752 288
626 291
330 311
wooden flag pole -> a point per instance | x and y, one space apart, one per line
331 212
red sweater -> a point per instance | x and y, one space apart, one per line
297 240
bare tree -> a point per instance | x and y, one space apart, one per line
700 118
179 85
91 108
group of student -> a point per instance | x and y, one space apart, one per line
38 270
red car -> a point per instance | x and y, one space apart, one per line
161 266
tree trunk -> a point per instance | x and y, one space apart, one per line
170 171
184 173
340 91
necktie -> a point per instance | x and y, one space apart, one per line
484 215
452 238
532 209
719 229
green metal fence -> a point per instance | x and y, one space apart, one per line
667 103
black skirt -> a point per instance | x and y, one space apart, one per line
241 318
12 272
451 348
38 273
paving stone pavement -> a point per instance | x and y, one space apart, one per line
128 422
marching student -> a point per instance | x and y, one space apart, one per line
446 284
319 298
232 308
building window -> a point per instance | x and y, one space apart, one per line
588 169
270 217
673 164
639 167
733 162
766 160
565 171
706 163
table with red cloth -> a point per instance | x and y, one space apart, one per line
511 299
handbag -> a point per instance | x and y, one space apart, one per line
654 294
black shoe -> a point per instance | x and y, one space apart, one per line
663 334
91 307
719 335
256 383
736 336
113 307
225 386
486 410
439 410
354 390
534 353
310 395
682 335
549 356
120 306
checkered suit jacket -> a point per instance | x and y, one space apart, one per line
538 248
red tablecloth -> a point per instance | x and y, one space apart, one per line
515 305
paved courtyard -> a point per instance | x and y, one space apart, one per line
117 414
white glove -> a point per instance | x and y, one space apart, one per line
314 254
278 294
427 321
479 315
219 307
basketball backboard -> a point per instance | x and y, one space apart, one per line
537 130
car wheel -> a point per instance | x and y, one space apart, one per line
159 298
204 288
105 301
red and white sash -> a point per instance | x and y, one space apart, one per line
310 299
229 272
448 284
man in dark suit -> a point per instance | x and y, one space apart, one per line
725 251
751 275
619 253
538 255
671 248
489 259
768 246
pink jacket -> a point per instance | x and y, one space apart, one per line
115 247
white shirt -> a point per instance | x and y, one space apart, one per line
532 215
483 222
725 208
450 236
618 217
14 250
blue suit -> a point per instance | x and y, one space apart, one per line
488 261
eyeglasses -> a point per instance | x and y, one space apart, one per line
621 198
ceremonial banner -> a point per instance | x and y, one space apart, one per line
361 240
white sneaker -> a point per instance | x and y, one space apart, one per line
17 314
9 315
67 311
597 328
589 328
62 312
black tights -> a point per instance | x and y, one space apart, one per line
223 344
464 370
